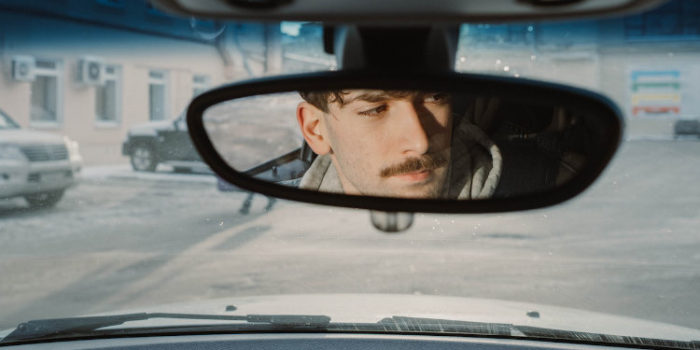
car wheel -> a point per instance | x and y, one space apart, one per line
44 200
143 158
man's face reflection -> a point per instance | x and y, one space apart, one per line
389 143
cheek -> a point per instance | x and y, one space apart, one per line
444 117
441 140
442 135
381 145
358 147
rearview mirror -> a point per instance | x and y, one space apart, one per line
420 143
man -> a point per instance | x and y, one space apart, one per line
395 144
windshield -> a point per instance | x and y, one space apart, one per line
121 215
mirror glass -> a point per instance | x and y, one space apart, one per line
404 144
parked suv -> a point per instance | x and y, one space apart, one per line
35 165
162 142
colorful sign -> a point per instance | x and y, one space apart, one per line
656 92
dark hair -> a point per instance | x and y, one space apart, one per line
321 99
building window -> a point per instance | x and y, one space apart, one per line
157 95
674 20
200 83
107 98
46 92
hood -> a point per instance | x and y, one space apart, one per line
151 128
372 308
29 137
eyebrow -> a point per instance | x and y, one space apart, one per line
377 97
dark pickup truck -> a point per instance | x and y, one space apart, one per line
162 142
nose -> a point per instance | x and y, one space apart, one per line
410 129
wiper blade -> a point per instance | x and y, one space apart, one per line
598 338
417 324
72 326
431 325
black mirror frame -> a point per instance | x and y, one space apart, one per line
516 88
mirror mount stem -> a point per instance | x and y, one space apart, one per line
391 222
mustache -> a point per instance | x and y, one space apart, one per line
424 163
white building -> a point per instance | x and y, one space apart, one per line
648 64
91 69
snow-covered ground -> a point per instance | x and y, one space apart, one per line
124 172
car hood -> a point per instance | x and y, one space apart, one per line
29 137
151 127
371 308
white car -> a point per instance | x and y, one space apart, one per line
36 165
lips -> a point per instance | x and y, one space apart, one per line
416 176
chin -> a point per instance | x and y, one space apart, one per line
423 194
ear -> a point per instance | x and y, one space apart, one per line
309 119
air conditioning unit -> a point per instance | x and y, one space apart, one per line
91 71
23 68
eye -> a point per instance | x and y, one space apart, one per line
373 111
439 97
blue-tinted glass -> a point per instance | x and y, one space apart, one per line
676 19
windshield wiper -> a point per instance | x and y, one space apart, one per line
74 326
91 326
440 326
87 326
433 325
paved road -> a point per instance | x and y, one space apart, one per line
629 246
